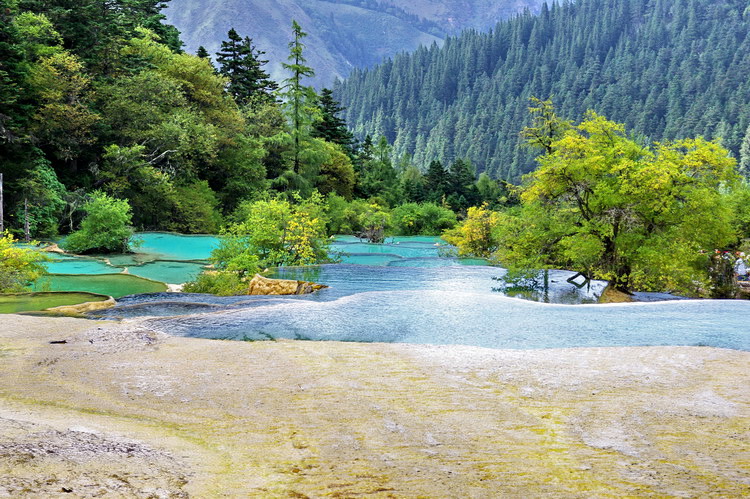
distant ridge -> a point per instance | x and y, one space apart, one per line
666 69
343 34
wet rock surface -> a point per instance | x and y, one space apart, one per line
119 405
260 285
45 462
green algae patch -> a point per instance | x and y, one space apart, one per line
114 285
34 302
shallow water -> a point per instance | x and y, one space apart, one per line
442 305
115 285
409 290
33 302
470 318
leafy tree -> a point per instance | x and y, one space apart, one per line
489 190
44 198
19 267
614 209
475 236
64 120
241 62
13 113
336 173
374 221
273 233
105 229
197 210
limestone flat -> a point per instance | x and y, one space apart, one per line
177 416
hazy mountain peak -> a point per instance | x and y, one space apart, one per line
343 34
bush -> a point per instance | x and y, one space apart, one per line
105 229
425 219
197 209
19 267
221 283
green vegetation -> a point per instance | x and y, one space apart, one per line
183 143
269 233
105 228
642 217
19 267
667 70
106 123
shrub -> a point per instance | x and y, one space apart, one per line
19 267
222 283
426 219
197 209
105 229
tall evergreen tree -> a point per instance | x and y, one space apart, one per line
330 126
241 62
299 98
437 181
203 53
744 165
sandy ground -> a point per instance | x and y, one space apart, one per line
120 411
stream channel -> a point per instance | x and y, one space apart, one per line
407 290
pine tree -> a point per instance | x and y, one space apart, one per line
298 98
744 166
436 181
240 61
203 53
331 127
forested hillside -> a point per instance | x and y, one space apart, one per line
344 34
100 109
667 69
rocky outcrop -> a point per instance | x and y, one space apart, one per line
82 308
611 295
260 285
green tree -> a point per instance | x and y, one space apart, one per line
105 229
475 236
607 206
274 233
64 120
437 181
44 200
744 166
241 62
427 219
330 126
299 100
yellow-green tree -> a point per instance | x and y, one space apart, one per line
19 267
612 208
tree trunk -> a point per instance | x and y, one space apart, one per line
2 214
26 220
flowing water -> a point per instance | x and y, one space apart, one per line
407 290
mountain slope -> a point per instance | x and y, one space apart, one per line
343 33
666 69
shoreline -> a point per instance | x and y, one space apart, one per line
123 410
